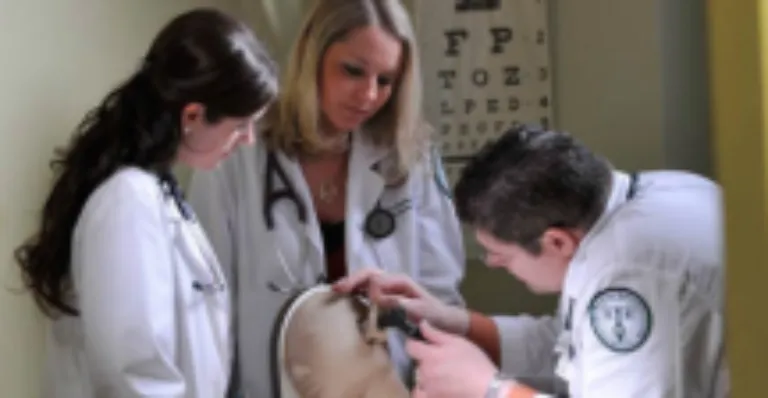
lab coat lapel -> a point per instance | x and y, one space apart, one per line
311 228
195 246
202 266
364 189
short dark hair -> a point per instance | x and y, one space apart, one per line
530 180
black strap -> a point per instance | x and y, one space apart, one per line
272 196
275 343
568 323
634 182
172 188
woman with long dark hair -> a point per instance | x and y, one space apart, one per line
139 304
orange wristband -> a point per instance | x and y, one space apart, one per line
483 332
517 390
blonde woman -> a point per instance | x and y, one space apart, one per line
342 179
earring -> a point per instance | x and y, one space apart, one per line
186 130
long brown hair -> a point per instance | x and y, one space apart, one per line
200 56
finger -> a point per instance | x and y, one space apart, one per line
382 285
434 335
399 284
387 300
418 350
356 281
416 309
417 377
418 387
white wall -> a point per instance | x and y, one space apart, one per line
58 59
276 22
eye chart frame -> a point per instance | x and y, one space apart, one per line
486 67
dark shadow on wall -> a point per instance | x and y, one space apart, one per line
494 291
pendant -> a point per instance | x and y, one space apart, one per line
328 192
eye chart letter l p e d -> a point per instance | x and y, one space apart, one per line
486 68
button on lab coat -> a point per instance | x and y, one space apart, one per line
665 244
426 244
144 331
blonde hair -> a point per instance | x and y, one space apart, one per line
292 124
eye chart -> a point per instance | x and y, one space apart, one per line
486 67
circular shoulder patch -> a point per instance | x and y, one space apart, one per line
439 173
620 318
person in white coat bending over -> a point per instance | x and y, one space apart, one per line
138 299
637 259
343 178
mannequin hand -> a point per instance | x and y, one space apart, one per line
449 366
398 290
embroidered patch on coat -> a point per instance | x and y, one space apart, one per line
620 318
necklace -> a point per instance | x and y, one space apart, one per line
328 190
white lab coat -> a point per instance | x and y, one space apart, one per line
427 243
665 244
144 330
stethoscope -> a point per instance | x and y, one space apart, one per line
380 222
206 284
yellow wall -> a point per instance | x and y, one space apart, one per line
58 58
739 65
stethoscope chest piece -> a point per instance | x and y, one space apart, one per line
379 223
